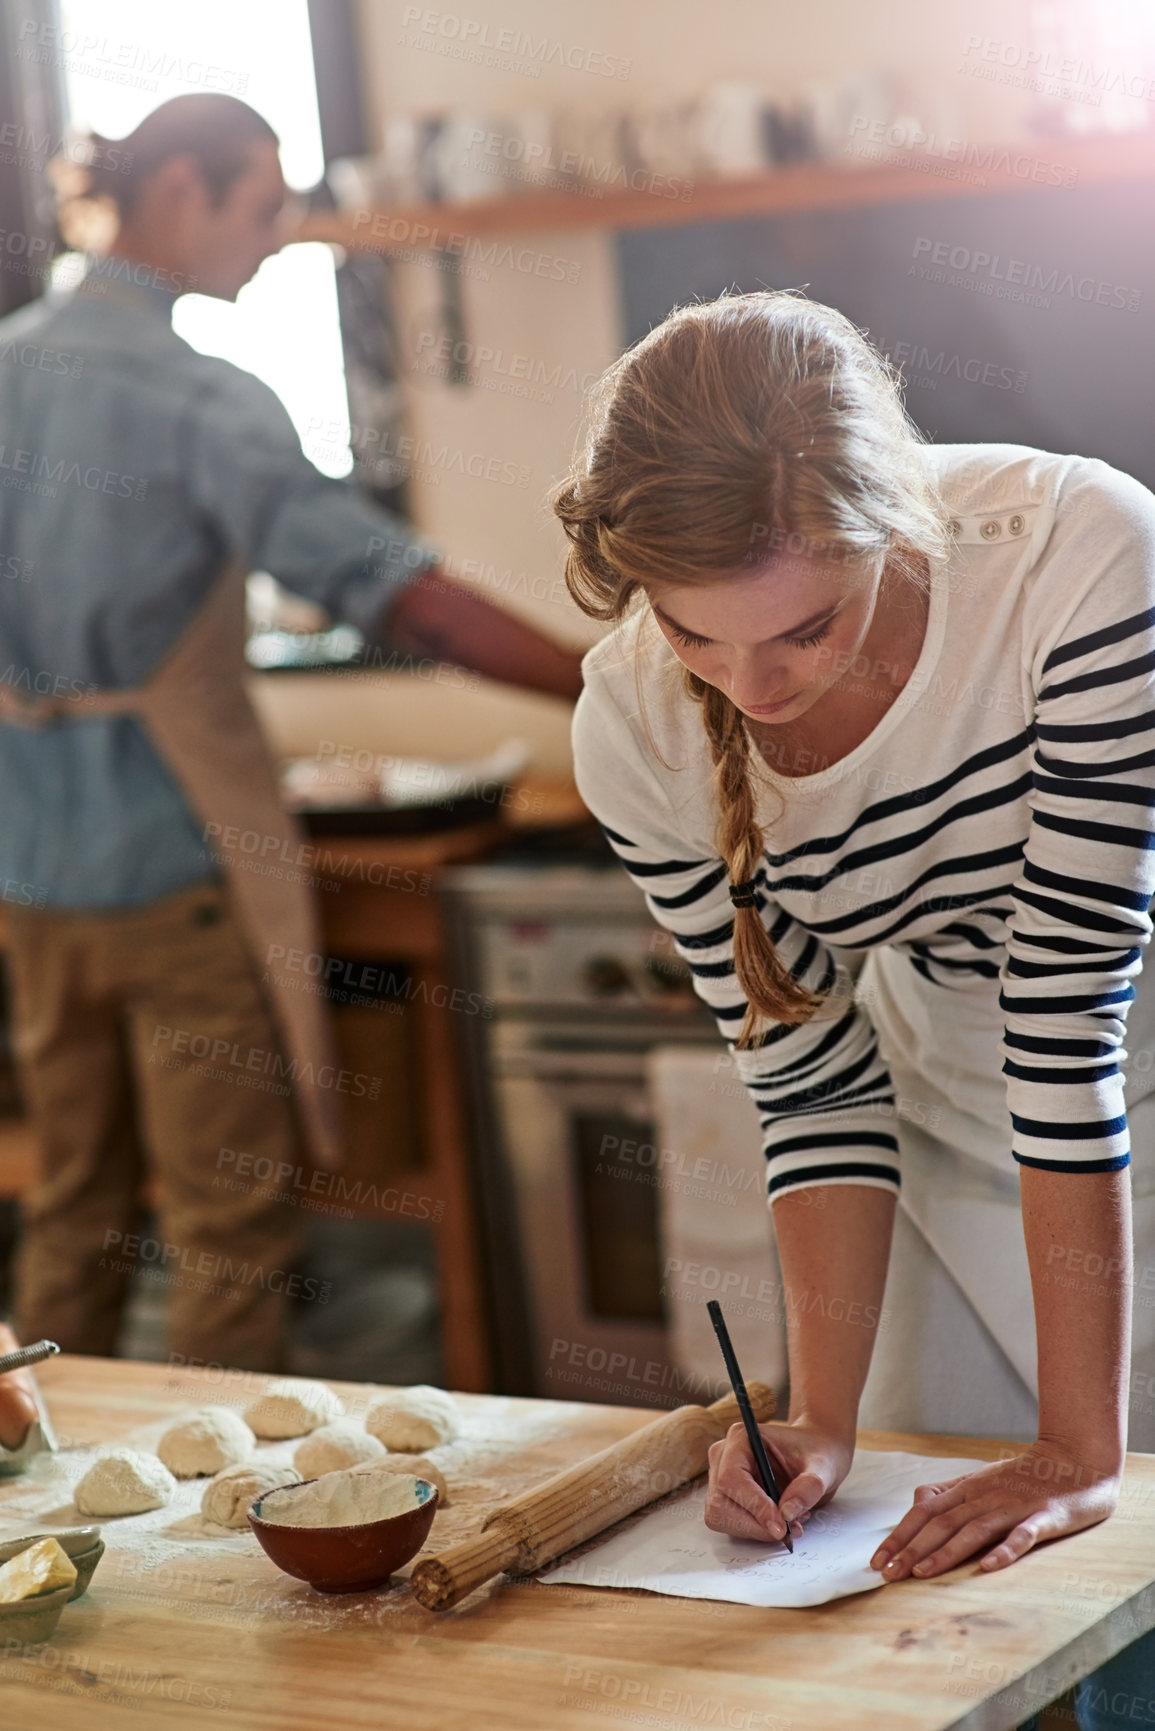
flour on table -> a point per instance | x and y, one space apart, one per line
293 1407
124 1482
335 1446
206 1442
413 1419
228 1497
344 1499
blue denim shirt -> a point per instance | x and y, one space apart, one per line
131 466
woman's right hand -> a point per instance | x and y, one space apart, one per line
810 1461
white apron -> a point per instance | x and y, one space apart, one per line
960 1184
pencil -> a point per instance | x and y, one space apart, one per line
757 1446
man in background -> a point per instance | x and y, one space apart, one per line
142 481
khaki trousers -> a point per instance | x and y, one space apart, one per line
144 1048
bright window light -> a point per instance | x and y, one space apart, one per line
123 58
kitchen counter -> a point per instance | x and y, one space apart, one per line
185 1630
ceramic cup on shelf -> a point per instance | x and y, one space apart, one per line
401 173
590 150
730 132
664 140
467 157
841 114
529 162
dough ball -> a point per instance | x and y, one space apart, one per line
293 1408
227 1497
413 1419
335 1446
124 1482
420 1466
205 1442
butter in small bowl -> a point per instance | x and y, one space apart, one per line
82 1544
35 1586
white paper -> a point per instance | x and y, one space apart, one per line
673 1551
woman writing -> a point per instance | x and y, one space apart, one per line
875 737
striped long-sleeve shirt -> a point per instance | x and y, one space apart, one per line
994 830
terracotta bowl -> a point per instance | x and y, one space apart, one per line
344 1559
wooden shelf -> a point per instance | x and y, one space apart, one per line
903 177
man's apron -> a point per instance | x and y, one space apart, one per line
197 712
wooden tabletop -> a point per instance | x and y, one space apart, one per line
213 1635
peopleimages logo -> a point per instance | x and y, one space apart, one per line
36 471
1017 278
476 40
925 366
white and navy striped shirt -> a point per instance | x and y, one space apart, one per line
994 829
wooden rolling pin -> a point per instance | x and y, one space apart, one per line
540 1526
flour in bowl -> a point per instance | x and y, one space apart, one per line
343 1499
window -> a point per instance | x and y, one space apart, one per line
123 58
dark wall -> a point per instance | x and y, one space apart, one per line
1066 374
31 114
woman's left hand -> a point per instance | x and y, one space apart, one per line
1048 1491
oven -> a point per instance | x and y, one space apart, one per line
579 988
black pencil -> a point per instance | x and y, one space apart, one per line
757 1446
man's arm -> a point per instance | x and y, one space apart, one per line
449 621
18 1408
323 540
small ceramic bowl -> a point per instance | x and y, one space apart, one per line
32 1620
344 1559
82 1544
85 1563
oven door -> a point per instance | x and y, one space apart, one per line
577 1131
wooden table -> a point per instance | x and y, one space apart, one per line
223 1639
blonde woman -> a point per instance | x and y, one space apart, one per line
876 737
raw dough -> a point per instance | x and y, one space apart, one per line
419 1465
334 1446
205 1442
228 1496
293 1408
347 1499
413 1419
124 1482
